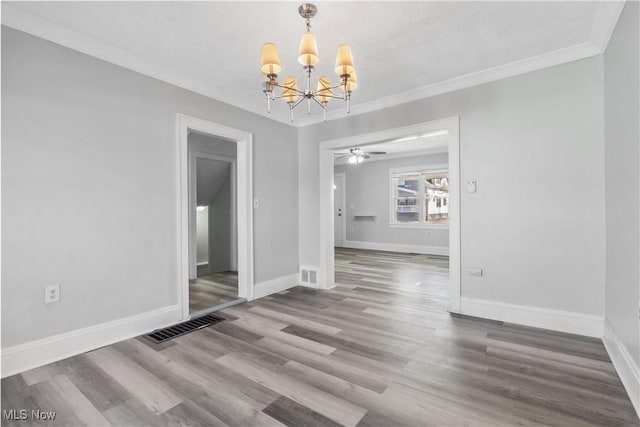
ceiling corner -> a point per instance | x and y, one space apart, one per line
604 23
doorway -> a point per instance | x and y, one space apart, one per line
239 148
327 214
213 273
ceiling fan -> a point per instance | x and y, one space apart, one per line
356 155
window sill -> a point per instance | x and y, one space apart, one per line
421 226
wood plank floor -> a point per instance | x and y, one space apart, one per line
378 350
209 290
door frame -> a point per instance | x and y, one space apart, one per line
244 207
326 273
194 155
343 177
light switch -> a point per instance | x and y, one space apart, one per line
471 186
475 271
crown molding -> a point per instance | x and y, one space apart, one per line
20 20
604 23
557 57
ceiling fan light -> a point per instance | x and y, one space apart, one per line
353 160
324 91
344 60
308 52
290 90
270 61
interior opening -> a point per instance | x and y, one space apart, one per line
213 275
391 216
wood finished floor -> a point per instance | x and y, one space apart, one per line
378 350
209 290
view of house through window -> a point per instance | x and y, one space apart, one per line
420 198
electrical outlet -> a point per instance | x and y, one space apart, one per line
52 293
475 271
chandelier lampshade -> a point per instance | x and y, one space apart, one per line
270 62
290 90
324 89
308 52
352 82
308 57
344 61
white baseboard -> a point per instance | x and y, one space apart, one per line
624 364
397 247
37 353
557 320
272 286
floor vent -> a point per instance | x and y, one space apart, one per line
308 276
161 335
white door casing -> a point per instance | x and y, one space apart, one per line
244 204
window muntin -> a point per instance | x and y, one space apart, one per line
420 198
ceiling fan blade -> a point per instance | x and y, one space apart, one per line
366 156
376 153
342 156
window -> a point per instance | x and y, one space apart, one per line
420 197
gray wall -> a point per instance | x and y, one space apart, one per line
531 141
367 187
88 151
622 161
220 228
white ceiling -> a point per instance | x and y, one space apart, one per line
415 49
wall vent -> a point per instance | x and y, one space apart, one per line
308 276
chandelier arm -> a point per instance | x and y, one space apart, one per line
298 102
317 102
335 97
288 88
337 86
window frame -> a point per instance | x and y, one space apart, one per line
435 168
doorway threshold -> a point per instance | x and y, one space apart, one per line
218 307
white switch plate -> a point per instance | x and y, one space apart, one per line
475 271
471 186
52 293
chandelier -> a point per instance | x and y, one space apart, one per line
319 93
